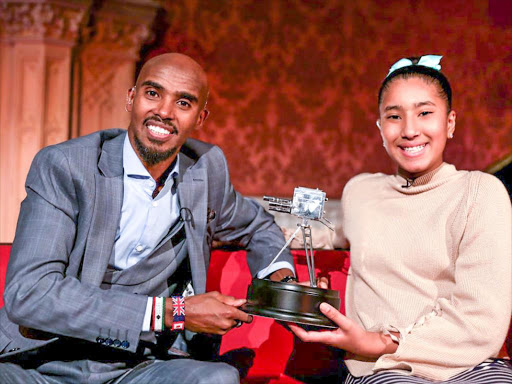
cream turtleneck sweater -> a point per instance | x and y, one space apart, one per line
432 261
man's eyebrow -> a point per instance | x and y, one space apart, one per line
188 96
152 84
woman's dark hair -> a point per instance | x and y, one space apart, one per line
427 73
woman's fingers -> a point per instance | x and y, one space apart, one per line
334 315
322 282
326 337
299 331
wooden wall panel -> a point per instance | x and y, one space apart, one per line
48 93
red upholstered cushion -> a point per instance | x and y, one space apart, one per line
5 249
271 353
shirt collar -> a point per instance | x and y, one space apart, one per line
134 168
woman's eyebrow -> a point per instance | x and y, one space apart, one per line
392 107
423 103
416 105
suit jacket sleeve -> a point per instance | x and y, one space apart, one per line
244 222
39 293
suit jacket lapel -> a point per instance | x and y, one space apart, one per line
107 211
193 196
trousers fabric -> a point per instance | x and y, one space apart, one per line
492 371
177 371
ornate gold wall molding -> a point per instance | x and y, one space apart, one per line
51 21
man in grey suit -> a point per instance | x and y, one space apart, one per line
107 275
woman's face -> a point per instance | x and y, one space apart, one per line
414 123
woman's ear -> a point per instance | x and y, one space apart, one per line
452 117
381 134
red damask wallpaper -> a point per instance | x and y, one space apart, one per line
294 83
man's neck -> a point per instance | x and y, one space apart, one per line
157 170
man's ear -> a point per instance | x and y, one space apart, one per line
129 99
202 117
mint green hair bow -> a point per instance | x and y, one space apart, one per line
431 61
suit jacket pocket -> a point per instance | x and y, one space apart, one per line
4 340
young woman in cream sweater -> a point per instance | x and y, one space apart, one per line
429 290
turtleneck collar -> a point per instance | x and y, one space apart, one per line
425 182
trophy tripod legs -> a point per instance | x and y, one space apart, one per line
308 248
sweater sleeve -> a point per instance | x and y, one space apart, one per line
470 325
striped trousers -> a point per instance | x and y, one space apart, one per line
492 371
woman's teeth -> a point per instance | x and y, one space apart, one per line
414 149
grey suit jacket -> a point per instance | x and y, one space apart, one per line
66 230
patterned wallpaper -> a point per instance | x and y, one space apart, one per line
294 83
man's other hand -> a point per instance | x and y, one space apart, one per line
213 313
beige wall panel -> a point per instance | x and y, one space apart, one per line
28 121
104 87
8 169
34 112
121 82
56 117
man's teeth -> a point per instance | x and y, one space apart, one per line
158 130
414 149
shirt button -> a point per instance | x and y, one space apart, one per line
155 203
139 248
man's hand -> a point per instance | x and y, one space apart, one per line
280 274
211 312
350 336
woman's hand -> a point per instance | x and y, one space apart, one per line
350 336
321 282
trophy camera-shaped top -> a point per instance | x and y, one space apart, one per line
307 204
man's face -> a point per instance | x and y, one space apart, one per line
166 106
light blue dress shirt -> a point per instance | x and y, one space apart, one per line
144 221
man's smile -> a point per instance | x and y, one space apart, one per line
158 129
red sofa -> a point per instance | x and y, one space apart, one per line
268 352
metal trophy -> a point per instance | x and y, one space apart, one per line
288 301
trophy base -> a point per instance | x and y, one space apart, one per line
290 302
